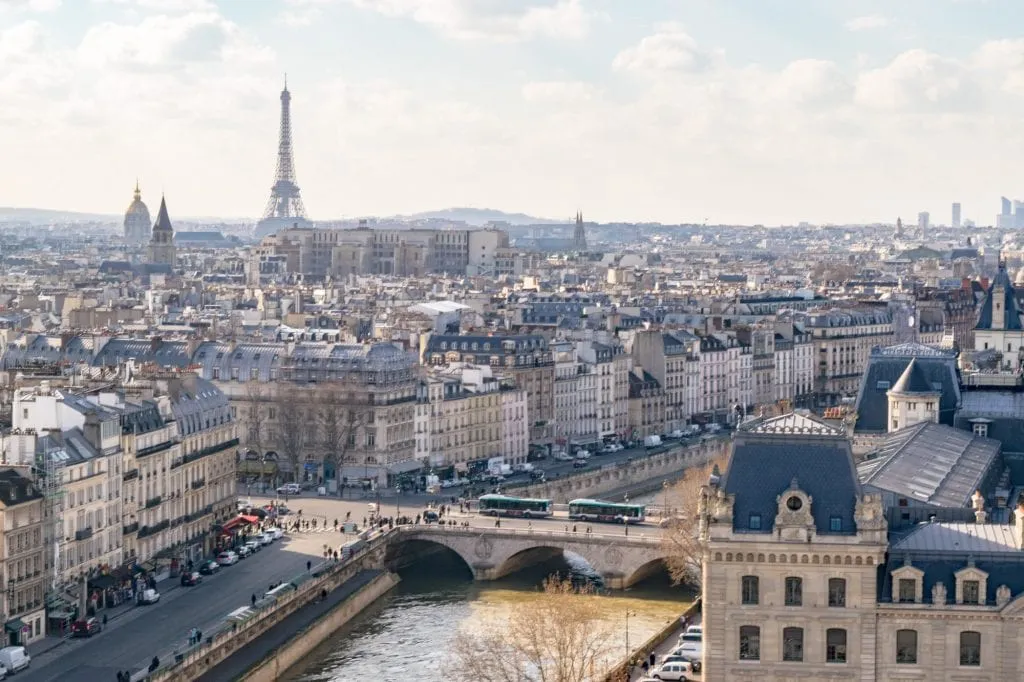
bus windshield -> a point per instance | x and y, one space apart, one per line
503 505
608 512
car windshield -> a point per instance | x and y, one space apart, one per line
692 637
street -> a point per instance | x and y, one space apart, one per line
130 641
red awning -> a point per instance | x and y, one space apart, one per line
250 519
237 521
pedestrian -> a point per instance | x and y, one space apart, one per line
645 666
104 620
154 664
253 599
199 636
653 659
574 528
309 565
120 676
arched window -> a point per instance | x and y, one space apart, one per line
750 643
750 589
794 591
837 592
792 644
970 648
835 645
906 646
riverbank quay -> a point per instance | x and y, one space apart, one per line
249 621
268 656
632 474
660 644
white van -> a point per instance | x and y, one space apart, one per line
14 658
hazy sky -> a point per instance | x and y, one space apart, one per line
672 110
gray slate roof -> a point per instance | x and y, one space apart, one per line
887 365
762 466
913 380
932 464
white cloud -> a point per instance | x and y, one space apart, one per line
559 91
490 19
671 48
867 23
164 5
31 5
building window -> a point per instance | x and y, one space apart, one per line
970 648
835 524
793 644
837 592
750 589
750 643
906 646
835 645
794 591
981 430
755 522
907 590
971 590
895 424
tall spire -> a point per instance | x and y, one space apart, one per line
163 221
579 235
285 200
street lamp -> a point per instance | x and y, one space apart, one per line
628 650
664 498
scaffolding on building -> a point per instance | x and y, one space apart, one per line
49 464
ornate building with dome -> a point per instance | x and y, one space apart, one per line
136 220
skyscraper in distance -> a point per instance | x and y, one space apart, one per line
923 219
956 215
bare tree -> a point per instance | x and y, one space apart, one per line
294 430
680 538
562 637
254 415
338 420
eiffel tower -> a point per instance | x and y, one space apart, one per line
284 207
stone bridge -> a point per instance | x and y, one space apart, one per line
493 553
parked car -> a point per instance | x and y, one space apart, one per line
15 658
86 627
191 578
227 558
672 672
149 597
243 551
209 567
266 538
276 532
254 545
289 489
563 457
579 463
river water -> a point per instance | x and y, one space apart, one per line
405 634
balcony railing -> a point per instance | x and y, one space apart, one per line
153 449
205 452
198 483
83 534
130 475
146 531
130 528
154 501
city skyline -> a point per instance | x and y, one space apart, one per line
855 113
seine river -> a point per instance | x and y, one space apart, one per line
405 634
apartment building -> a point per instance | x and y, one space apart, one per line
566 428
794 363
844 339
608 363
646 405
525 358
383 251
24 558
80 445
674 360
471 419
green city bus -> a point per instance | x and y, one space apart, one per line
606 512
524 507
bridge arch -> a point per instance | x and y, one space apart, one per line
645 571
409 550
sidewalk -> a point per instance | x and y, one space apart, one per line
51 642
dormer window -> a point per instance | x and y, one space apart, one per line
908 585
971 585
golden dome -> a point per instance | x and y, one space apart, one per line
137 207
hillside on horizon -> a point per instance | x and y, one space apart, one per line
481 216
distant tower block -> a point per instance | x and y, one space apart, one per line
284 207
956 216
579 235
